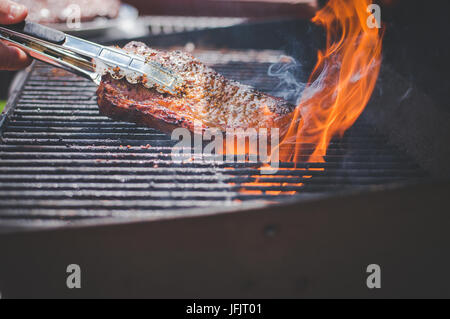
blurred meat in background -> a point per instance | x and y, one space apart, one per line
58 11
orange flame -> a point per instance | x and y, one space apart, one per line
341 83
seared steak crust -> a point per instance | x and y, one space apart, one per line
205 97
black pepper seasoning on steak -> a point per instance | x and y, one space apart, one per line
206 97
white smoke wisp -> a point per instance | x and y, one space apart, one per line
287 71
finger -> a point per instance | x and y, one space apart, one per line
11 12
13 58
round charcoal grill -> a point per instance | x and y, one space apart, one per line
62 161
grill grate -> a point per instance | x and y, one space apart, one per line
62 161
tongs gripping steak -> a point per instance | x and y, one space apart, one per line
205 97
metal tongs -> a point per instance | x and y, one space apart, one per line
80 56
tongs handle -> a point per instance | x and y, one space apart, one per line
82 57
38 31
50 46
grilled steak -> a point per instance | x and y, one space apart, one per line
57 11
206 97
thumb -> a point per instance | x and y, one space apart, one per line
11 12
12 58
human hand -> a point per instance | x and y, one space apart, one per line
12 58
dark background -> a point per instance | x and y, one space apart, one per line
417 46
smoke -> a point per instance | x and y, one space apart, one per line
287 70
289 73
405 95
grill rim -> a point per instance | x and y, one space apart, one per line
252 207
